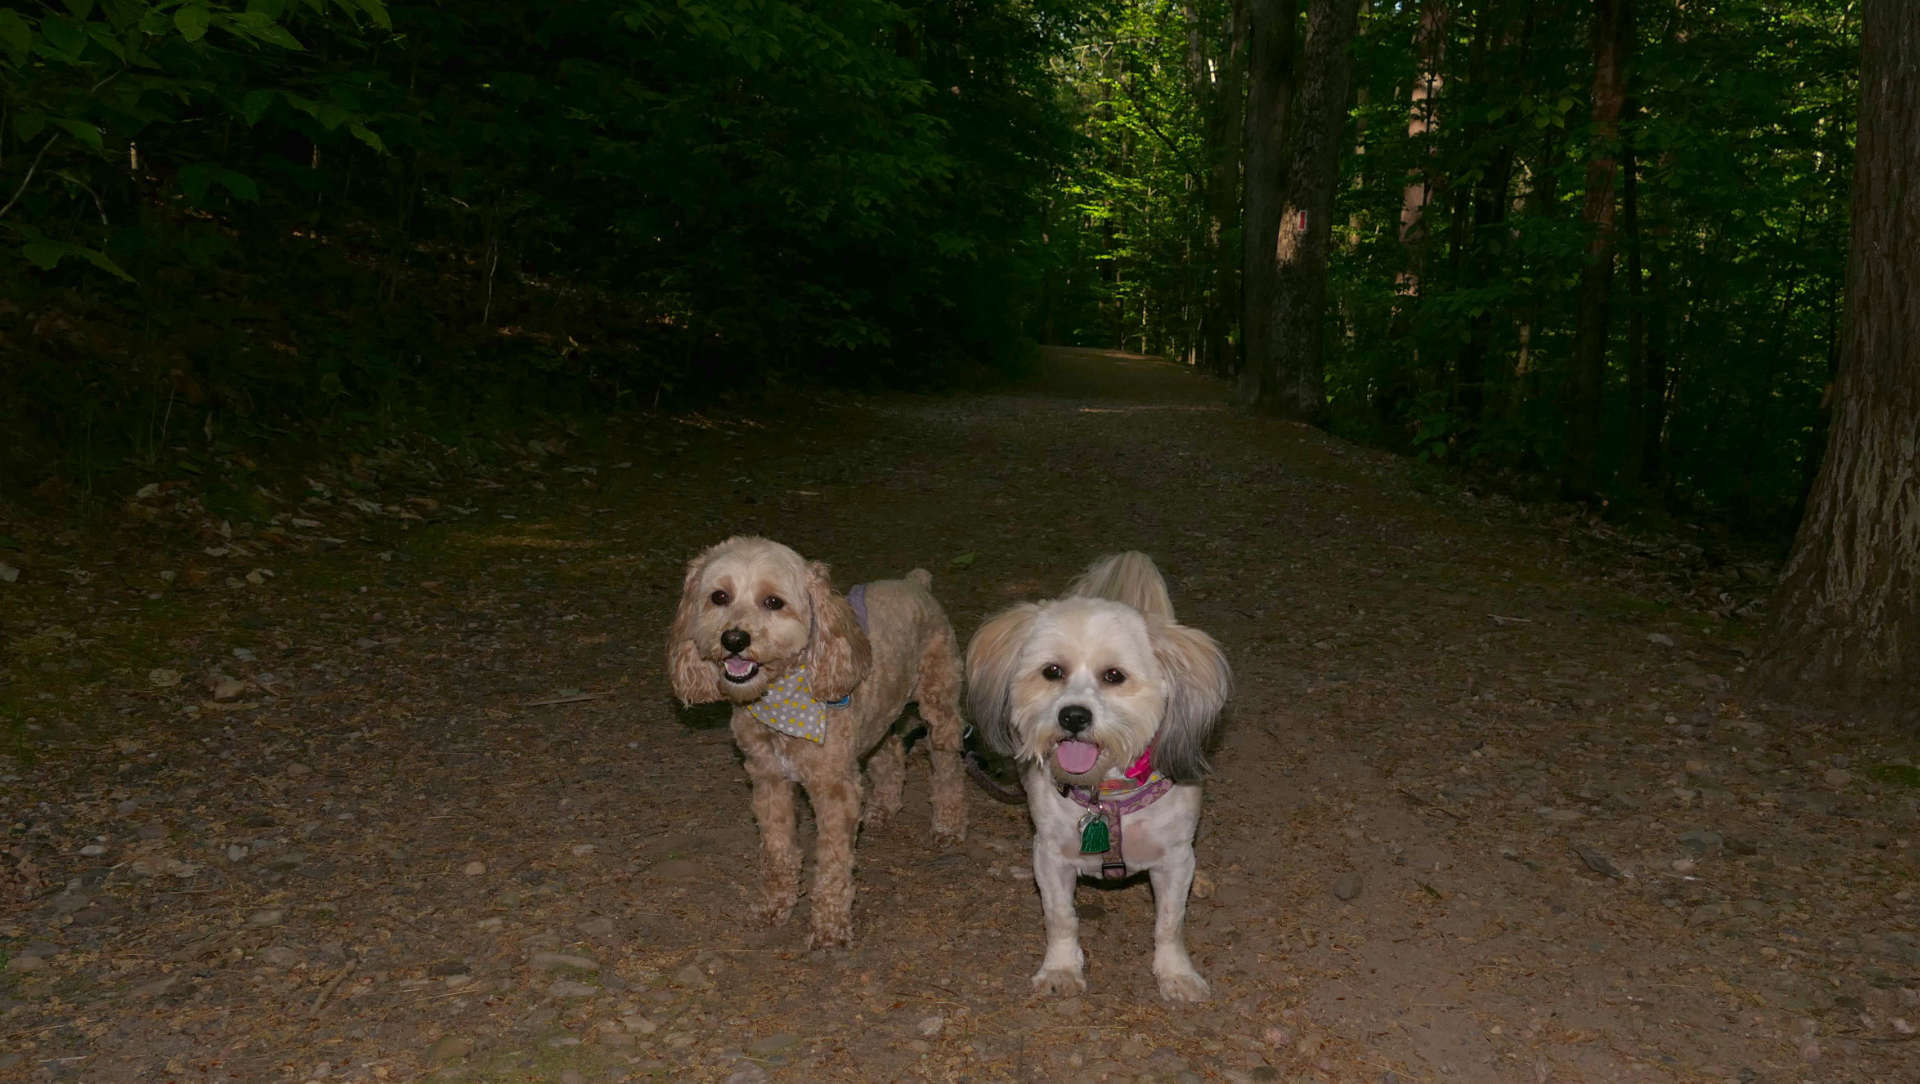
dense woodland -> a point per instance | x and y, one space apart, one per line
1465 143
1597 249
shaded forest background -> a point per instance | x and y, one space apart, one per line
269 225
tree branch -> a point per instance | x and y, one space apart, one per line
28 179
1121 82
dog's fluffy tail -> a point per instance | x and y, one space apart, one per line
922 577
1129 577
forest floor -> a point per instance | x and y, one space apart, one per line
391 785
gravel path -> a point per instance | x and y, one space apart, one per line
395 789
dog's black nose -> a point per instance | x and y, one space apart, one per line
735 640
1074 718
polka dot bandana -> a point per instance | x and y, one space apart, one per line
789 707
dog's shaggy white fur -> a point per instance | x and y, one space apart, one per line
752 611
1105 666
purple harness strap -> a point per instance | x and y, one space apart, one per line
857 598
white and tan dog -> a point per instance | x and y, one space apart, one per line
818 681
1106 703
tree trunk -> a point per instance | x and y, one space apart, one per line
1637 382
1659 318
1394 394
1222 94
1487 242
1271 62
1847 615
1612 40
1294 385
1429 49
1356 221
1541 202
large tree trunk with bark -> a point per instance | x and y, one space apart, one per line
1271 60
1543 173
1393 396
1847 615
1637 374
1491 197
1612 41
1294 384
1222 90
1430 51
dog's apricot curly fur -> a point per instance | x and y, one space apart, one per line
751 610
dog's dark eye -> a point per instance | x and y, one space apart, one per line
1052 672
774 602
719 598
1113 675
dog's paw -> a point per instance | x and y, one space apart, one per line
948 836
771 912
830 935
1185 986
1059 982
874 818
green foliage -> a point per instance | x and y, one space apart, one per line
1129 219
314 213
1905 775
1455 342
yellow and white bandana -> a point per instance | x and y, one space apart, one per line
788 706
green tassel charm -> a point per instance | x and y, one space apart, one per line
1093 836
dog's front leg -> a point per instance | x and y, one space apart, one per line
1172 878
836 813
773 809
1063 971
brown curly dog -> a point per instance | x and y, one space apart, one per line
818 682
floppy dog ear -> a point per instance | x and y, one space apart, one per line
840 653
1198 683
991 656
693 677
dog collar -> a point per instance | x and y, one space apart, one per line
1107 806
788 705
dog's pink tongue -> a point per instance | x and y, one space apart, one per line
1076 757
738 667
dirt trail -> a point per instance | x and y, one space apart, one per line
1486 809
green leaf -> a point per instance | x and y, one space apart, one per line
16 37
366 135
103 261
80 8
29 123
197 182
377 11
194 181
103 36
63 35
46 254
191 21
255 105
239 184
80 130
43 253
260 26
963 560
